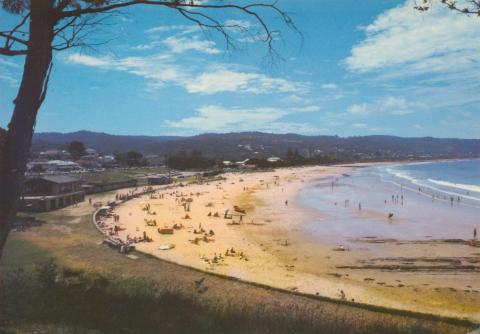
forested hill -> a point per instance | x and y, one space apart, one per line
257 144
102 142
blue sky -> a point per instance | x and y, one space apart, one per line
363 67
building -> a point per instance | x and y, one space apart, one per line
63 166
159 180
274 159
51 192
53 166
100 187
90 152
55 154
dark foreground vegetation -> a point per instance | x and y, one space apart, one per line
67 301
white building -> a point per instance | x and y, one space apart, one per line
273 159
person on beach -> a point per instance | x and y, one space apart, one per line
360 206
475 234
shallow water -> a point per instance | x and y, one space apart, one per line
428 201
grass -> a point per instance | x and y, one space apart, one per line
119 175
80 300
21 253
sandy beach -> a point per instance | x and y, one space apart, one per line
262 238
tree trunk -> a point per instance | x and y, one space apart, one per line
14 156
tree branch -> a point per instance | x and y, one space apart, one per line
70 31
9 52
8 35
184 8
473 8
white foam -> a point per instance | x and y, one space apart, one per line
430 185
467 187
403 175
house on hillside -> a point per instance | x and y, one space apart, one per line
91 153
50 192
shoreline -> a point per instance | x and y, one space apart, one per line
261 242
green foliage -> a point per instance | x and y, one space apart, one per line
131 159
76 149
195 160
15 6
46 274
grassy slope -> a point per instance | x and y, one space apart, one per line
119 175
71 239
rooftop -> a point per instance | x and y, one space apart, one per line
57 178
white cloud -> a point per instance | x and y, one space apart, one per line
358 109
310 108
161 69
430 58
224 80
157 69
329 86
181 29
359 125
241 24
409 42
215 118
147 46
387 105
182 44
89 60
399 105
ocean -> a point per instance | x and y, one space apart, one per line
408 201
449 178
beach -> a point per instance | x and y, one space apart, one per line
273 235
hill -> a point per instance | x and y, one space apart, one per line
102 142
256 144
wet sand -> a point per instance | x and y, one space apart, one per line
273 245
